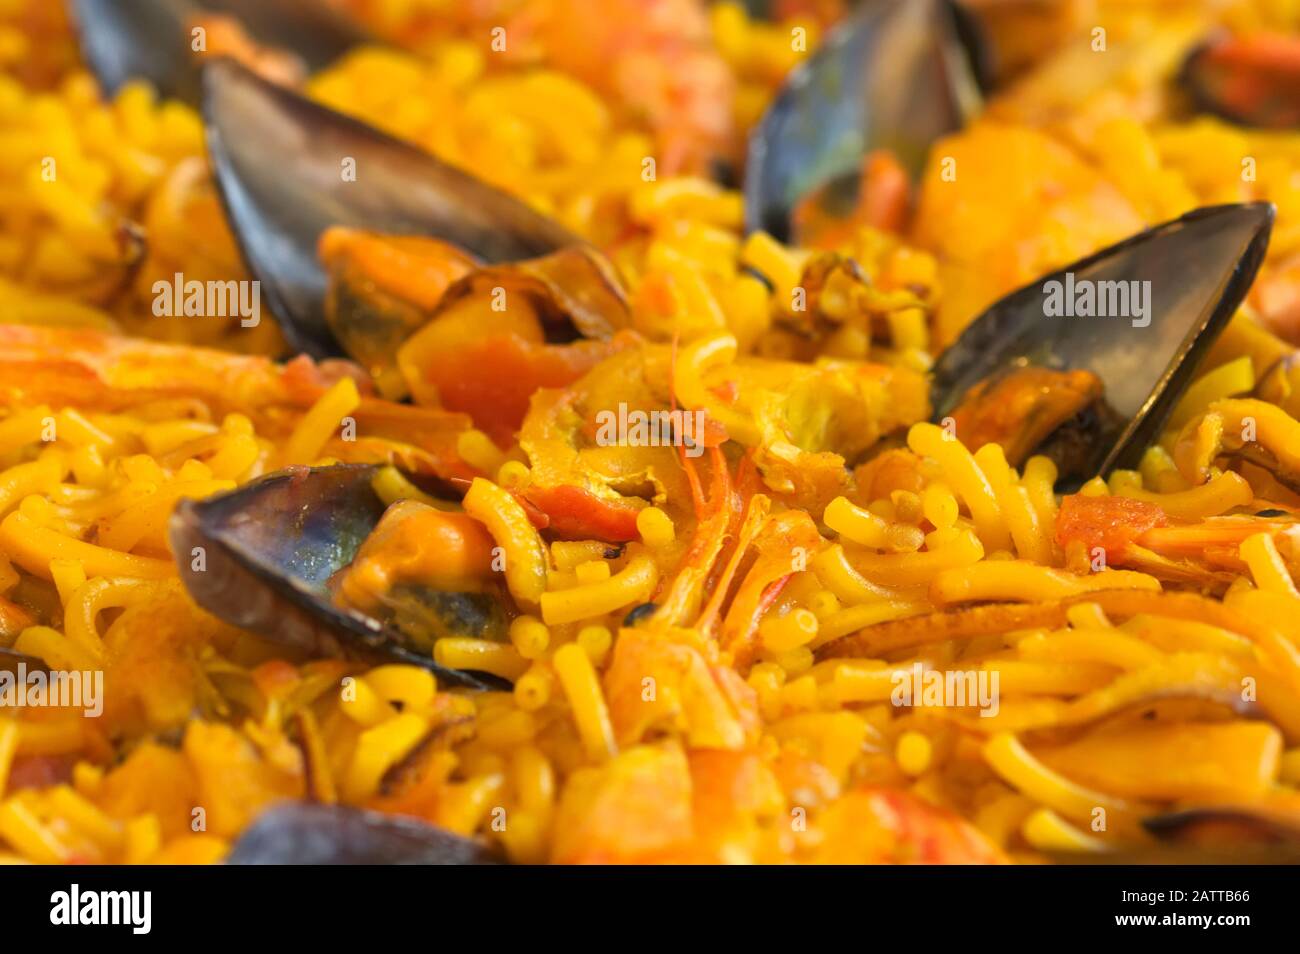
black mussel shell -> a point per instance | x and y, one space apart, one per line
1256 99
1229 825
1198 269
306 833
124 40
288 168
897 75
260 558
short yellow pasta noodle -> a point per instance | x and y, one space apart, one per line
529 636
1266 565
1108 646
856 524
25 427
1019 769
583 691
319 424
1048 831
508 523
379 749
463 652
1031 541
688 380
833 569
915 569
32 548
1218 495
781 634
966 478
92 598
939 505
38 476
633 584
853 618
1020 580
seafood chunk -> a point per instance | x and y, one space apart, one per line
1021 407
428 572
300 833
1251 80
153 39
262 557
345 174
1138 315
896 76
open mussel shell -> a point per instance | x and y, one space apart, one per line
1233 822
896 75
260 558
288 168
1193 273
306 833
1249 80
152 40
1231 833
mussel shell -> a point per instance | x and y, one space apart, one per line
1202 81
260 557
897 75
305 833
124 40
1233 824
282 165
1200 267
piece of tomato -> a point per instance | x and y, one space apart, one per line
576 514
1111 523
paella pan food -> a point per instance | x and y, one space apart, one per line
679 433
